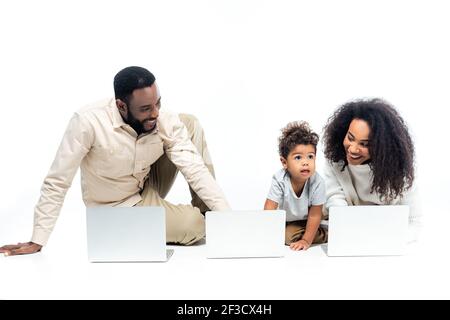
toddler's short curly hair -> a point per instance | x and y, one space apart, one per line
295 133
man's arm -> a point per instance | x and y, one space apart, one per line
182 152
20 248
74 146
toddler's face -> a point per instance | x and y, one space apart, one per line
301 162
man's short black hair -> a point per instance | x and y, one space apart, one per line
129 79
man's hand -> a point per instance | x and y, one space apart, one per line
20 248
300 245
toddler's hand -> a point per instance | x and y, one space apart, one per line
300 245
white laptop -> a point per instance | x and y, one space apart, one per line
245 234
367 230
126 234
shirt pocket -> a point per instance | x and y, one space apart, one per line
146 155
151 152
115 161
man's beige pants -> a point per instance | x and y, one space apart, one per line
185 224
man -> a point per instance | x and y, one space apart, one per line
129 154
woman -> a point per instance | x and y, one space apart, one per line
370 158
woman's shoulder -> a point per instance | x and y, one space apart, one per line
335 167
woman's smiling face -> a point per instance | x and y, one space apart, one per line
356 142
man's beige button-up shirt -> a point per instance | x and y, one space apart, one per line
115 162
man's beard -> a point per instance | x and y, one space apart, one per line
135 124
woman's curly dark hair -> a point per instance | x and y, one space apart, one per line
390 144
295 133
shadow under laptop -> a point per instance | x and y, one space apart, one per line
324 248
169 254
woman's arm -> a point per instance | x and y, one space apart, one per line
412 199
335 195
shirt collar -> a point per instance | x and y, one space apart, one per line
116 118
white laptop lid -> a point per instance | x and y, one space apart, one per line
119 234
367 230
241 234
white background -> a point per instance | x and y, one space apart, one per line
245 69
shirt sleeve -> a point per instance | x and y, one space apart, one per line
182 152
412 199
318 195
276 192
335 195
75 144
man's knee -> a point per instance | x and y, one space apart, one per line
195 228
188 118
189 229
191 122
